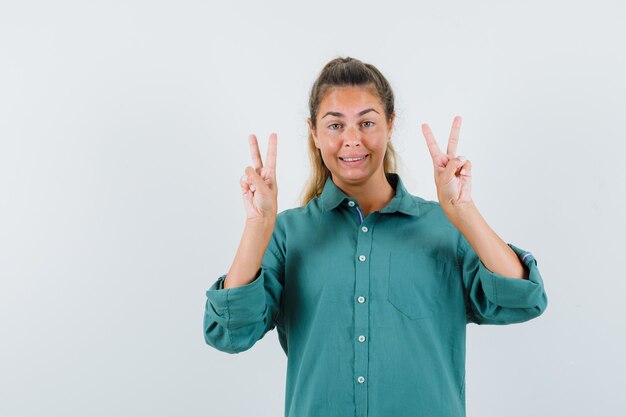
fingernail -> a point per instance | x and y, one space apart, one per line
461 158
253 188
244 178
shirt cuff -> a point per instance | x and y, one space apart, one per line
237 306
514 292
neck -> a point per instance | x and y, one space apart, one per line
372 195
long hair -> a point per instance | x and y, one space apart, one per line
344 72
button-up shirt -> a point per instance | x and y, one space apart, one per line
370 311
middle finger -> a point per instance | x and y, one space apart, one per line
454 136
257 163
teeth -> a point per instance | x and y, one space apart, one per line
353 159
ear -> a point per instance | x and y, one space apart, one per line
313 133
391 123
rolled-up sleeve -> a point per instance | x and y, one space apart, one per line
236 318
497 299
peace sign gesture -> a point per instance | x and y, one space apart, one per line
258 185
452 173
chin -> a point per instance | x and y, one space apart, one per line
353 177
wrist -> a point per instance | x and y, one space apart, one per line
461 212
261 226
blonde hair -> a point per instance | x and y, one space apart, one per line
342 72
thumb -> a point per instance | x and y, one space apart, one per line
466 170
254 179
453 166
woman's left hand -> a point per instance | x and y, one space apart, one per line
453 174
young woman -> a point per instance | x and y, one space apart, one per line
369 287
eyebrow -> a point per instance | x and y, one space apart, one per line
337 114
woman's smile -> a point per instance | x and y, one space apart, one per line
354 161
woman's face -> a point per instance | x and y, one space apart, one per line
352 134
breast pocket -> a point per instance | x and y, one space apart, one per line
415 283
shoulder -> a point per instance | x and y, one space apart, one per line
428 208
431 213
297 218
424 204
302 213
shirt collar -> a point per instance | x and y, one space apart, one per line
403 202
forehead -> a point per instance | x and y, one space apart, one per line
350 99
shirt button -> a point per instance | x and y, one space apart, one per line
362 258
365 229
361 299
361 338
351 203
360 379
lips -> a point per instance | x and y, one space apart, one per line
354 158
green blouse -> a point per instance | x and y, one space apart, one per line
371 312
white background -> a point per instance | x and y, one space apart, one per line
123 129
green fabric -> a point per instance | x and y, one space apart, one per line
421 281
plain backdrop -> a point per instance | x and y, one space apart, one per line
123 129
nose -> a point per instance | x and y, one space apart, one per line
352 137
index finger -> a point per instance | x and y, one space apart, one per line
270 158
433 148
257 163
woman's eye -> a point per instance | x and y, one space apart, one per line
368 125
334 126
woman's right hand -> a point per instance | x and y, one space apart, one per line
258 185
